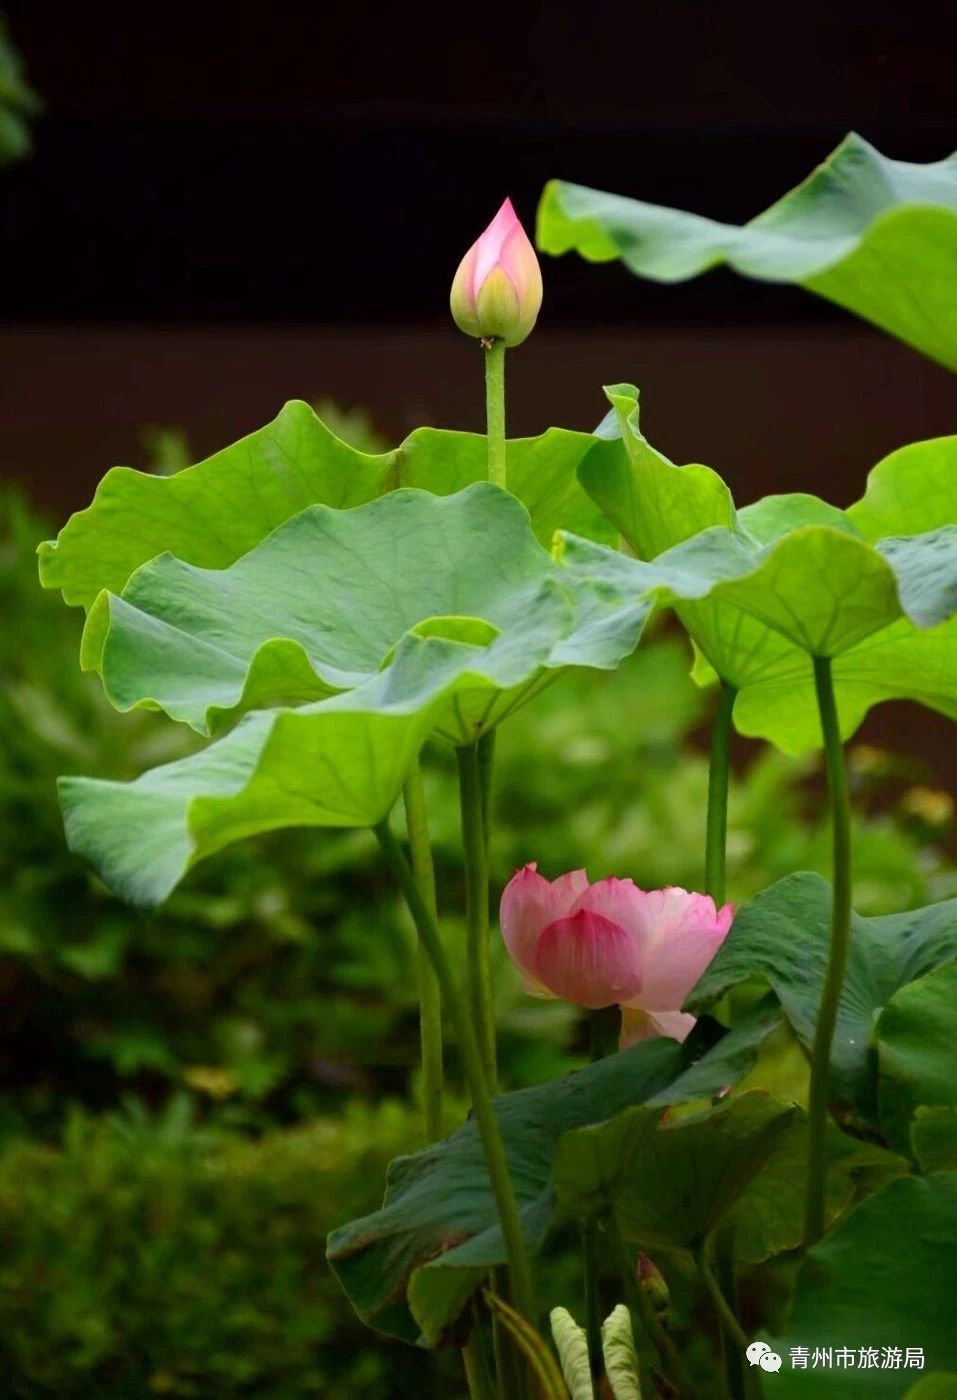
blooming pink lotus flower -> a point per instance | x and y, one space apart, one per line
497 290
612 942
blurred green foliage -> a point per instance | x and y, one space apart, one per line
18 102
154 1256
259 1030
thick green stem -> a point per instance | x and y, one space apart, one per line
815 1204
604 1029
476 1364
486 763
735 1338
430 997
643 1311
715 856
486 1121
476 907
593 1313
495 411
726 1276
510 1370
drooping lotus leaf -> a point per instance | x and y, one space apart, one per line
335 762
411 1266
884 1277
877 236
917 1051
339 762
321 604
740 1167
211 514
782 937
760 588
822 589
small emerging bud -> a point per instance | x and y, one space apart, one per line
497 290
652 1281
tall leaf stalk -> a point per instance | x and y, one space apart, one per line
475 768
719 771
475 849
430 996
815 1203
725 1281
486 1121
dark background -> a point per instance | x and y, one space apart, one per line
316 161
231 205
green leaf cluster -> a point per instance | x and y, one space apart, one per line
597 1145
413 612
410 1267
764 589
890 1051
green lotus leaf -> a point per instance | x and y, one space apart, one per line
773 517
212 514
339 762
933 1137
822 589
917 1051
652 502
884 1277
877 236
410 1267
321 604
909 492
902 662
895 553
782 937
740 1167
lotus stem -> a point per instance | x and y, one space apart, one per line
642 1309
475 848
495 411
731 1328
430 996
487 1123
477 1374
815 1204
532 1346
486 763
726 1277
719 768
593 1313
604 1029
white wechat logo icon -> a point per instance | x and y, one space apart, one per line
760 1354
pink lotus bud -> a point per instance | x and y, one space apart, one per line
652 1280
497 291
610 942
